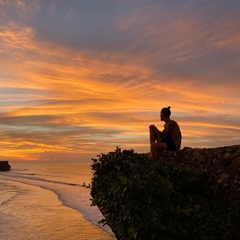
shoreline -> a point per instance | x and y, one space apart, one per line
21 208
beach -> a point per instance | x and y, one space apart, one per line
50 204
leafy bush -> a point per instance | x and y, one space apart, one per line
144 200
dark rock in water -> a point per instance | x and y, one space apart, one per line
4 166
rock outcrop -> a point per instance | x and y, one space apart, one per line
221 165
190 194
4 166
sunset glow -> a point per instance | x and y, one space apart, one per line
78 78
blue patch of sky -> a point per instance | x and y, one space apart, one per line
81 24
25 129
21 91
23 103
22 97
36 129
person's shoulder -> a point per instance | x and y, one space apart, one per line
172 122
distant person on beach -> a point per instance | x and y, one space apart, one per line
167 140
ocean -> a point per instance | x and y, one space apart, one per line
48 201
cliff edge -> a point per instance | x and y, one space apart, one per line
190 194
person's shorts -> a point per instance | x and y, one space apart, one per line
170 145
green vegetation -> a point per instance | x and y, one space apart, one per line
144 200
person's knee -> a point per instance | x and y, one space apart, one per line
151 126
151 129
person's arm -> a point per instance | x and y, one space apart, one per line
155 129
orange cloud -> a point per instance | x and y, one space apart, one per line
65 97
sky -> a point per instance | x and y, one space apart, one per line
81 77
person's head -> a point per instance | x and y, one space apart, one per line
165 113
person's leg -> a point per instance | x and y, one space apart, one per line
156 148
155 134
152 135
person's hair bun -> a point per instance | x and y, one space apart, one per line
169 107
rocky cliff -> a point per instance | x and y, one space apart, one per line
221 165
4 166
190 194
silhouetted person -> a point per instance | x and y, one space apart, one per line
167 140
